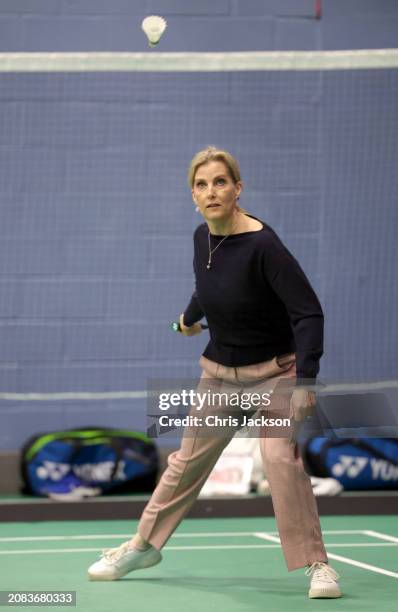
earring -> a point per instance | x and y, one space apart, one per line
197 209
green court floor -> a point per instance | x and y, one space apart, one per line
209 564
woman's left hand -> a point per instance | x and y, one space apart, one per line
302 404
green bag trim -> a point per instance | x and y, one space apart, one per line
93 436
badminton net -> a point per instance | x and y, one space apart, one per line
97 219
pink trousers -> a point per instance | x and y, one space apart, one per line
188 468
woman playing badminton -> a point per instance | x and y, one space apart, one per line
265 324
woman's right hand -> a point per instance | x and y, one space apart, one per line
194 329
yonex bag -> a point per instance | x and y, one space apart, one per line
89 461
357 463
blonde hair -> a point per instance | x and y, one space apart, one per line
212 153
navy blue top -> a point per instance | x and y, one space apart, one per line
257 301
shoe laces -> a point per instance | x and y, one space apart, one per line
322 571
111 555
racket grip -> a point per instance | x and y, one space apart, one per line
175 326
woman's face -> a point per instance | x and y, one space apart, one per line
214 191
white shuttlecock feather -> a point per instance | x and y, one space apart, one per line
154 26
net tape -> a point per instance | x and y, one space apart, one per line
199 62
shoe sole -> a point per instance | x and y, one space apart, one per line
104 578
324 594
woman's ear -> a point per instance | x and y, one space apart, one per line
197 209
238 187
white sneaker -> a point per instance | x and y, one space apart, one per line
117 562
324 581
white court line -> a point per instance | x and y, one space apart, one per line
331 531
210 534
347 560
33 551
360 544
107 536
372 568
71 550
381 536
267 536
43 551
272 538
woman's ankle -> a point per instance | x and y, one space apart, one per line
139 543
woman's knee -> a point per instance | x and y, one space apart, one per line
279 450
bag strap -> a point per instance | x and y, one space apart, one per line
117 446
375 451
359 443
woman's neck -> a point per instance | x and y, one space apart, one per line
235 224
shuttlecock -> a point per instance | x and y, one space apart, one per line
154 26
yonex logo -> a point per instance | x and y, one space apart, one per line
353 466
101 471
350 466
53 471
384 470
90 472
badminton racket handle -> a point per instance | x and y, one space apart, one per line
175 326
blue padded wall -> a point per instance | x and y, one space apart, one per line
96 217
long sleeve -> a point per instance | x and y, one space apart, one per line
291 285
193 312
